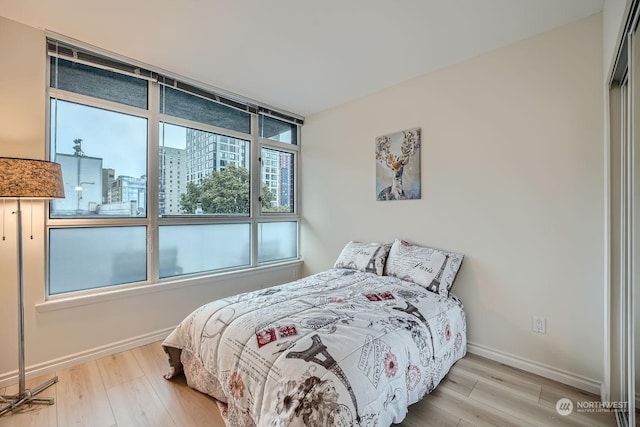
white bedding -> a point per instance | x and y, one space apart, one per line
339 348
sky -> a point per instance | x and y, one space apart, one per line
119 139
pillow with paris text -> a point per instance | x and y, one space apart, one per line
367 257
433 269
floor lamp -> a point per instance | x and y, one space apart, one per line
27 179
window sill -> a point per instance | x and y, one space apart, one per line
110 295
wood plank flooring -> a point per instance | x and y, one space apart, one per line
128 390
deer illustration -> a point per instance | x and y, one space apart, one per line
410 145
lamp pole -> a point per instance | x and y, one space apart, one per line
27 179
21 367
23 395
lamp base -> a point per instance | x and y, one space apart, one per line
9 403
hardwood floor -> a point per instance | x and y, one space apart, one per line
127 389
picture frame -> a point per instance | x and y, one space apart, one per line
398 165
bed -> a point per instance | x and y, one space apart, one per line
351 346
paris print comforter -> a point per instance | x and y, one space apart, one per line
339 348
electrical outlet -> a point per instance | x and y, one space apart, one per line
539 325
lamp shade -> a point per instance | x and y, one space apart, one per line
30 179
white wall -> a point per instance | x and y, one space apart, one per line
60 335
512 176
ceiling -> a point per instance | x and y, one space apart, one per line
300 56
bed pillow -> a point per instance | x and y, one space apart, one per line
430 268
367 257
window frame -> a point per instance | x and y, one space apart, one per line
278 216
285 148
152 220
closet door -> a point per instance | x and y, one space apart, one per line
631 158
630 175
624 110
624 227
624 245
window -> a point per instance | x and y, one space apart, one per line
186 249
88 141
277 240
87 258
188 106
99 83
221 191
277 181
278 130
125 137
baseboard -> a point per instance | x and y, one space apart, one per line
51 366
577 381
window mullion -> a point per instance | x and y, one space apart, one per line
277 145
77 98
165 118
256 185
296 189
296 181
153 185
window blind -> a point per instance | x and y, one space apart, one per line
70 52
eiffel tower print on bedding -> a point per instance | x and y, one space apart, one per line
339 348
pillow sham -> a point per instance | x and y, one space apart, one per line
367 257
433 269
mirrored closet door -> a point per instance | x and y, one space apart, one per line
630 177
624 226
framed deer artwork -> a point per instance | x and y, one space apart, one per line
398 165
